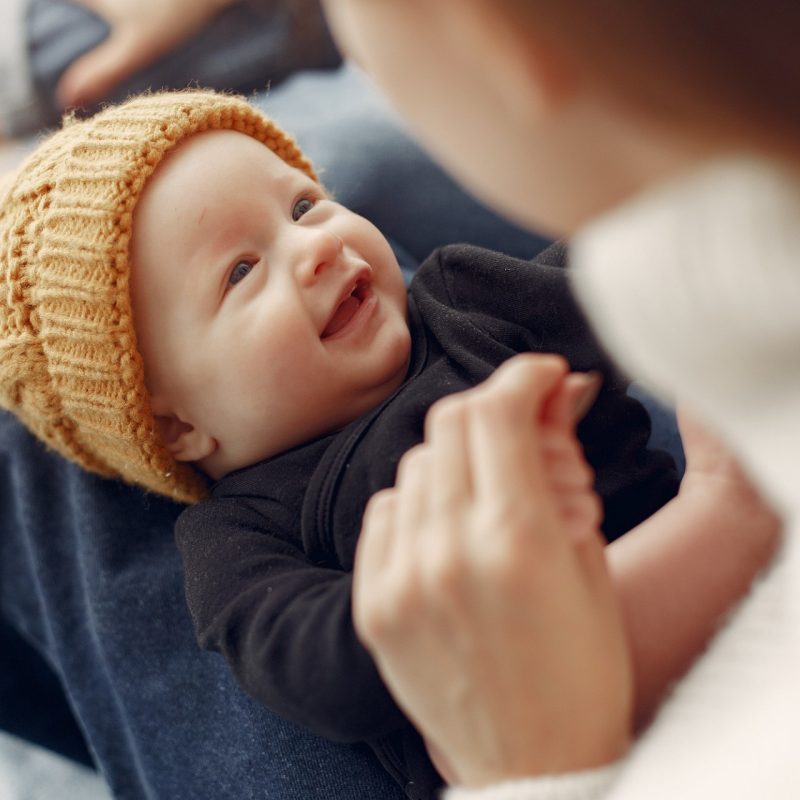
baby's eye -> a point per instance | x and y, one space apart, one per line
240 271
302 206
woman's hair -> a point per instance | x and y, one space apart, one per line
730 65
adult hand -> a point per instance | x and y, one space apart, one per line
494 622
141 31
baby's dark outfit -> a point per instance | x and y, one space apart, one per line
269 556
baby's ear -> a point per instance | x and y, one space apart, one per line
182 439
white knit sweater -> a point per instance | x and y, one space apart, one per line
695 287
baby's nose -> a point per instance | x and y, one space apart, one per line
321 249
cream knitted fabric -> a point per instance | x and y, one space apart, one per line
69 365
696 288
587 785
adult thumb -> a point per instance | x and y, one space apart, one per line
573 401
94 75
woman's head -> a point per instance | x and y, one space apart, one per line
728 67
554 110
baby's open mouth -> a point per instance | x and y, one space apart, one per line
346 309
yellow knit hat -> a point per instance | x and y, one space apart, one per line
69 364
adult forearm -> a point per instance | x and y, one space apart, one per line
679 573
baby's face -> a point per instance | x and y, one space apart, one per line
266 313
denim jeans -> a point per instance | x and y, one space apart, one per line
91 577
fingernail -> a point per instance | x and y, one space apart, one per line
586 386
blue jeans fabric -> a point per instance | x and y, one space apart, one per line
89 573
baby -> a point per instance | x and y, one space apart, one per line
183 301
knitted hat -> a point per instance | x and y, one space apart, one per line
69 364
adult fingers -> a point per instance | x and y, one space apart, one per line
413 484
504 427
446 432
389 553
582 389
372 563
141 31
565 462
94 75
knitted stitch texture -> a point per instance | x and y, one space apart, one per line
70 369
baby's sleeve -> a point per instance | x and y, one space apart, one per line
283 624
